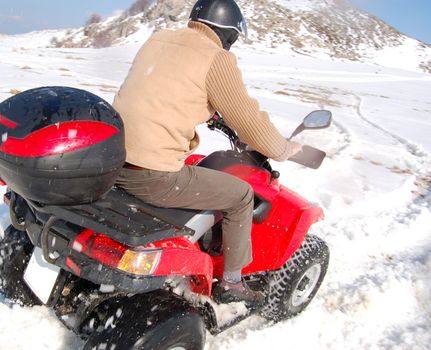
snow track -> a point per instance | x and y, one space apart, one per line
422 158
412 148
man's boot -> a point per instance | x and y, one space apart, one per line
229 292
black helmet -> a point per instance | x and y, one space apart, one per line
223 16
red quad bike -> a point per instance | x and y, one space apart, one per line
106 262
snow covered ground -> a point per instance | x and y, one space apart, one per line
375 187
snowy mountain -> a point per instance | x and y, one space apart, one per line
331 28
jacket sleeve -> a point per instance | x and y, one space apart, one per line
227 94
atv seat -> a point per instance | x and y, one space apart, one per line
129 220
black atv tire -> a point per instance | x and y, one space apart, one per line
15 252
292 287
158 321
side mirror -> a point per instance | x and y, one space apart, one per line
317 120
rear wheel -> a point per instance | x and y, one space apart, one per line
158 321
292 287
15 252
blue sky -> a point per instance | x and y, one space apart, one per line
20 16
412 17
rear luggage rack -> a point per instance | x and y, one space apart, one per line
124 218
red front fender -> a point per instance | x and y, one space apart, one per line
308 217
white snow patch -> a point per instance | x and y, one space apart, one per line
303 5
107 288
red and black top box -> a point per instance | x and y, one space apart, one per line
60 145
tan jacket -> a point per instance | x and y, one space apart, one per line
177 80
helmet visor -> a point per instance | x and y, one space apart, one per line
243 29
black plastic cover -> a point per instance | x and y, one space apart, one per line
40 164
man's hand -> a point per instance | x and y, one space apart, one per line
295 148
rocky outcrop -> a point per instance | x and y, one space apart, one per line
331 27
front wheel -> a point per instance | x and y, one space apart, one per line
292 287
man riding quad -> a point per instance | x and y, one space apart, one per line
178 80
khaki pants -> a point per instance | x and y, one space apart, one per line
205 189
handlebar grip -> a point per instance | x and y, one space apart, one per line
310 157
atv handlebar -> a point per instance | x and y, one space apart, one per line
309 156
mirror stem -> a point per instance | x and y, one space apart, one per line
298 130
